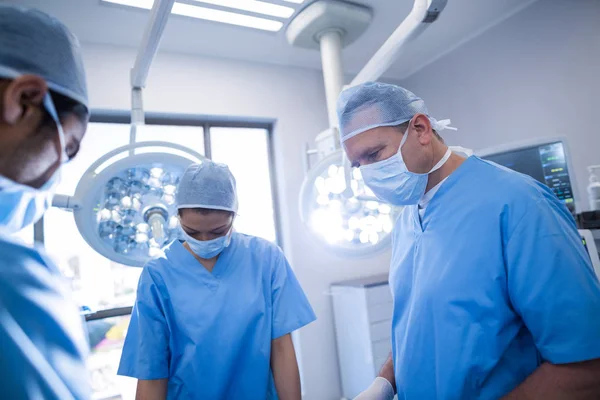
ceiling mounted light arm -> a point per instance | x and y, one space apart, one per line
330 42
150 42
159 16
137 114
423 14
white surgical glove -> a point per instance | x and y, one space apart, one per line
380 389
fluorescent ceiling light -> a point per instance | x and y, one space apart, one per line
295 1
226 17
259 7
147 4
209 14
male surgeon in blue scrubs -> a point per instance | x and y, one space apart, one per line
43 117
494 294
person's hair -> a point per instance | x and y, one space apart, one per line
402 128
205 211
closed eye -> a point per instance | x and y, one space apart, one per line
189 231
72 151
374 156
220 231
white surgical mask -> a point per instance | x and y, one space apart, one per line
208 249
392 182
22 205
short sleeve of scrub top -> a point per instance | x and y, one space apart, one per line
147 357
42 340
291 309
552 285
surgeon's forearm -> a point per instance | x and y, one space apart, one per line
387 372
155 389
285 369
561 381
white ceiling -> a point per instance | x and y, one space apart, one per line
462 20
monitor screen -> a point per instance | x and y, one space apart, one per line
546 163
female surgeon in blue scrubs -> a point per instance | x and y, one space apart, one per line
214 313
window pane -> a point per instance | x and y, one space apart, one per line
246 151
188 136
97 282
106 337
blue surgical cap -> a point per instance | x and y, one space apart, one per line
207 185
32 42
373 104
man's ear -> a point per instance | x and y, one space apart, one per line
21 96
422 126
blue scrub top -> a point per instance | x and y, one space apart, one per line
210 333
42 340
493 281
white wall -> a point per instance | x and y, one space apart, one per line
535 75
295 99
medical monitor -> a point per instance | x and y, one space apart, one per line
546 161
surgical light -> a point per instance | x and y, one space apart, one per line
125 207
357 225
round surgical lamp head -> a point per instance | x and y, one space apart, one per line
124 204
350 226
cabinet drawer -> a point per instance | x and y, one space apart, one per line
379 294
381 331
380 312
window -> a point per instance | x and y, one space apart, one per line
248 160
108 287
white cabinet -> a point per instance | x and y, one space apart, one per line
363 326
